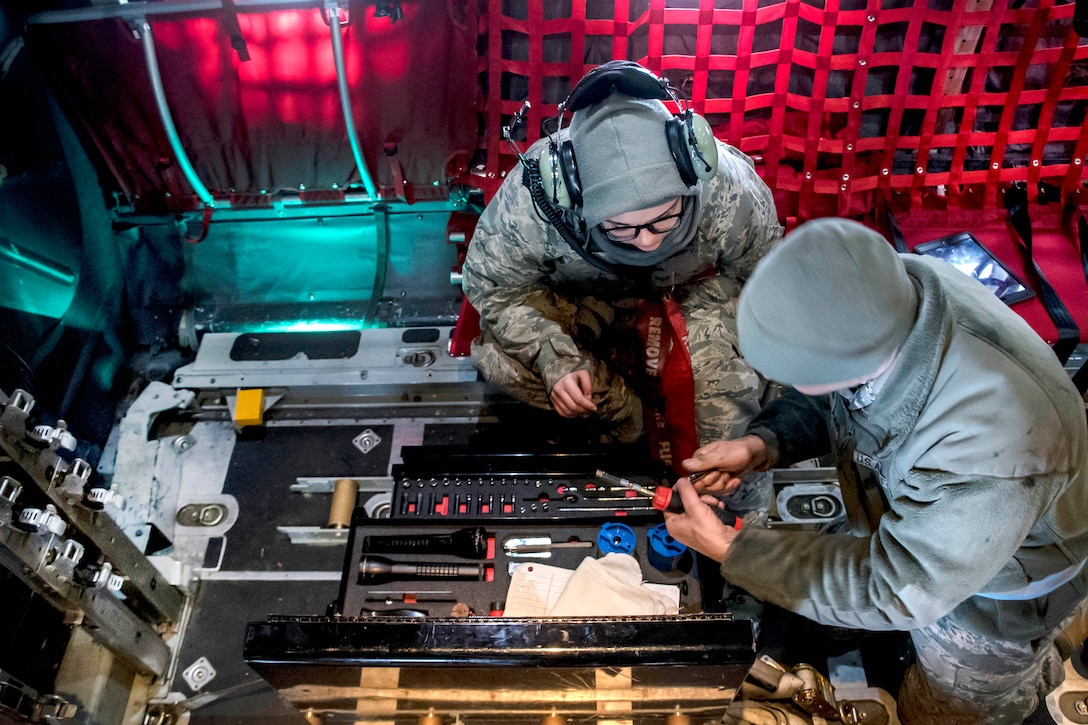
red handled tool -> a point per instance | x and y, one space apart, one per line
663 498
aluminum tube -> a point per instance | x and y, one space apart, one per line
168 122
344 494
333 8
32 262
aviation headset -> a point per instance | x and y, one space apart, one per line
689 136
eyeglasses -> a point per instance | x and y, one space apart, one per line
661 225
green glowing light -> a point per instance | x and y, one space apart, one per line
312 326
34 283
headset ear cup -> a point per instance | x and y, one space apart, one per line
702 146
691 142
569 165
552 177
675 134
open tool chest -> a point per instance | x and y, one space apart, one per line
460 526
433 585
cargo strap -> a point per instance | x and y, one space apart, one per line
1080 378
1016 201
670 423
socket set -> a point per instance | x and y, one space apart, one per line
443 486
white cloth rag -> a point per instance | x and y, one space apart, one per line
610 586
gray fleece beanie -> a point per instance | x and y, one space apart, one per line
623 157
831 303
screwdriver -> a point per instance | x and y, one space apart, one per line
662 497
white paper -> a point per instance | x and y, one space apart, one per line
534 588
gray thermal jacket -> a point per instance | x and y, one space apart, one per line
978 447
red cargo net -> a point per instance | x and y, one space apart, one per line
845 107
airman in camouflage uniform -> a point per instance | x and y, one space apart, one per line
546 312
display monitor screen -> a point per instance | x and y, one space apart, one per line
967 254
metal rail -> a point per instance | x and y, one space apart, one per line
136 11
381 262
145 589
106 618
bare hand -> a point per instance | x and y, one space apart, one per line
570 395
726 462
699 527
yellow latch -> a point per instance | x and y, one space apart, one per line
249 407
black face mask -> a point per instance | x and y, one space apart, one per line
675 241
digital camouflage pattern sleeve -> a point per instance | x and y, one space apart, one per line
506 278
744 222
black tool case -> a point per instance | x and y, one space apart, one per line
434 623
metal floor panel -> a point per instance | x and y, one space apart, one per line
215 634
261 572
262 470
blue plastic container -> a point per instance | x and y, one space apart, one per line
663 551
616 538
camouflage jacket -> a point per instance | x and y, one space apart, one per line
522 276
